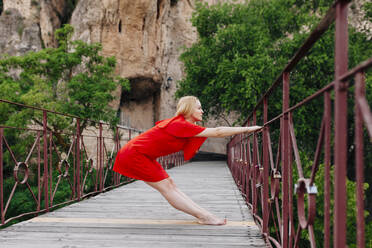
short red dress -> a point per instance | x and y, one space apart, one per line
137 159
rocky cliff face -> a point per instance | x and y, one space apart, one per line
145 36
29 25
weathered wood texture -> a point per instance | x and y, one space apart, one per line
135 215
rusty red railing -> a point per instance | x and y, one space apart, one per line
83 164
268 186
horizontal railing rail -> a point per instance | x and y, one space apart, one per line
41 169
282 207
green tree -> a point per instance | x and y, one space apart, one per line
72 78
368 11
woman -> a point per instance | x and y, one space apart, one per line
137 159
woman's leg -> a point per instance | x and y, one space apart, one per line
180 201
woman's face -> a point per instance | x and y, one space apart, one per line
197 114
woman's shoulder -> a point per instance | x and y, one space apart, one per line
176 120
179 127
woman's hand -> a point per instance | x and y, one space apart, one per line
255 128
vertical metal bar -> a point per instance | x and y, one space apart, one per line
38 173
327 169
265 157
239 175
100 158
285 165
117 151
341 63
50 169
359 161
74 167
73 149
292 231
249 170
78 159
1 178
97 166
255 162
45 176
244 173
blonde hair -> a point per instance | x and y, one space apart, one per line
186 105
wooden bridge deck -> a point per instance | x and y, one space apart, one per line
135 215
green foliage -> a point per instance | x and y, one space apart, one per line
72 78
368 11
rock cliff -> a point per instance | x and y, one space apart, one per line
145 36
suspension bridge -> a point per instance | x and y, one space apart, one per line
255 188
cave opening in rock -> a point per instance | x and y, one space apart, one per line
173 2
68 10
139 107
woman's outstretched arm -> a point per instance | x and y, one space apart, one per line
226 131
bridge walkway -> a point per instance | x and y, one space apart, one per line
135 215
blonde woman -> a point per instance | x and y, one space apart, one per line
137 159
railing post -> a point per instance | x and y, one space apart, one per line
249 191
255 164
100 158
291 232
327 168
341 64
97 166
359 161
285 161
244 165
1 178
38 174
117 150
239 167
78 158
45 176
50 181
265 158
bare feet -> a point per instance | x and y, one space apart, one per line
212 220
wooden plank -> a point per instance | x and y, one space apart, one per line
132 221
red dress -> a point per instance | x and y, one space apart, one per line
137 159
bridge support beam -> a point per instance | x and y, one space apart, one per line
341 64
285 161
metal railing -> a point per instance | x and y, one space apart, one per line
59 167
268 185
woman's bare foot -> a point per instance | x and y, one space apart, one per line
212 220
